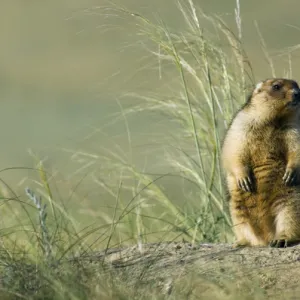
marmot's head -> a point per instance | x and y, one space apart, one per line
276 97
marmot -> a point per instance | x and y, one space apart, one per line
261 159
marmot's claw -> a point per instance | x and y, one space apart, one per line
245 184
279 243
289 176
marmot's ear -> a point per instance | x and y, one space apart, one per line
258 88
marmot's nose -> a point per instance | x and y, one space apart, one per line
296 94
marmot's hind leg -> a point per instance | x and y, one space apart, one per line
245 236
287 225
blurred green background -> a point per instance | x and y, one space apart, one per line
64 63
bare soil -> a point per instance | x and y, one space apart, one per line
204 271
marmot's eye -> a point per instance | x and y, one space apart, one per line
276 87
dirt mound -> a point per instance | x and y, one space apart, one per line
220 271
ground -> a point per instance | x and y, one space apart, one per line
216 271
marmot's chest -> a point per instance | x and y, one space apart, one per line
267 159
266 147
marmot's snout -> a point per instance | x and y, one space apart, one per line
296 96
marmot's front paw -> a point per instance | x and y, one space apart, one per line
245 184
290 176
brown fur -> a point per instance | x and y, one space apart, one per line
261 158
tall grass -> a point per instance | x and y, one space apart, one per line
207 74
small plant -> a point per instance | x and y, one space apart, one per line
45 241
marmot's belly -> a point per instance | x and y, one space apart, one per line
270 194
268 187
268 176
